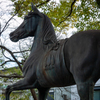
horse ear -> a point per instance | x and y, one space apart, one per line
35 9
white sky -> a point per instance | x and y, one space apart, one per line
6 7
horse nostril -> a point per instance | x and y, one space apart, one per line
11 34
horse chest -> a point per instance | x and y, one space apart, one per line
51 70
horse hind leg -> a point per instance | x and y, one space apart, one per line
43 92
85 90
20 85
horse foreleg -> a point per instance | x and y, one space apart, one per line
8 91
85 90
20 85
43 92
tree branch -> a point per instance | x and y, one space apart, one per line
10 20
7 62
7 24
21 51
43 3
3 47
11 76
70 12
4 54
33 94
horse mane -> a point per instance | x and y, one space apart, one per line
48 31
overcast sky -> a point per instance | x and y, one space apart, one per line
5 10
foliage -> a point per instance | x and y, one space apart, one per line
87 16
18 95
84 16
1 56
98 3
57 12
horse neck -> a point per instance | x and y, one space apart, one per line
40 34
37 45
37 42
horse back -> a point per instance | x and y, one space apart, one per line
83 55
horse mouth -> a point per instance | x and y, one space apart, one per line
15 36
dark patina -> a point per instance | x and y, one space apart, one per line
53 63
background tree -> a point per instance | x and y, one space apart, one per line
98 3
65 15
83 12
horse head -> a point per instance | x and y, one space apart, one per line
28 26
38 25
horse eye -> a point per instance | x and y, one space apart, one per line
27 17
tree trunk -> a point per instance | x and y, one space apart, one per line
33 94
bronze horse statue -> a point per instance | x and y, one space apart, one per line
53 63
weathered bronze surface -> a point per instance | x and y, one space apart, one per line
53 63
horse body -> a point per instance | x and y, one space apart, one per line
52 71
83 50
54 64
